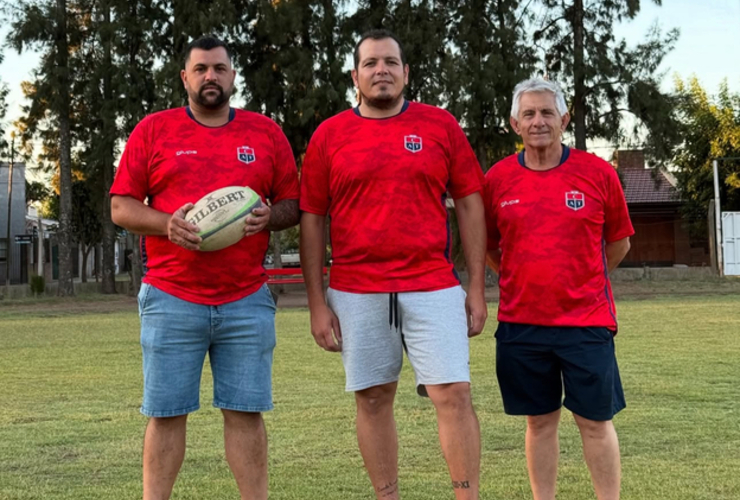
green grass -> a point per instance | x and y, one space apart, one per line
70 427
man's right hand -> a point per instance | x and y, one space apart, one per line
325 329
181 232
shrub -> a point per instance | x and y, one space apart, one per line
38 286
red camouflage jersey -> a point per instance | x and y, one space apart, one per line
171 159
552 228
384 183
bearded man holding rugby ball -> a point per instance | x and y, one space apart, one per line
194 302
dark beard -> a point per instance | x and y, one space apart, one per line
382 103
207 103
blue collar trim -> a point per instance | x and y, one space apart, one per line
403 109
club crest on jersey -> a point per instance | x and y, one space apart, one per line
245 154
412 143
575 200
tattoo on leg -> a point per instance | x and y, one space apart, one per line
389 489
461 485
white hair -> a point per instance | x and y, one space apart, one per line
538 85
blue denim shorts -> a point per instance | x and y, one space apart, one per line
239 338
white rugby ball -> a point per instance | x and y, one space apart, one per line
221 215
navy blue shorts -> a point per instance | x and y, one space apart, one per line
533 363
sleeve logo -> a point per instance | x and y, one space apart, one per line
412 143
245 154
575 200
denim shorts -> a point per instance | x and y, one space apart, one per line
239 338
536 364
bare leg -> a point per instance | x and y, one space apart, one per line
601 451
459 435
543 449
376 435
245 440
164 451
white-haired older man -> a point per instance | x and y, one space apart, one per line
557 225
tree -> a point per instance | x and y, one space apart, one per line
52 28
710 127
108 135
36 192
608 80
491 56
61 107
4 90
87 229
135 52
95 107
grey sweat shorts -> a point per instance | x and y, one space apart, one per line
376 327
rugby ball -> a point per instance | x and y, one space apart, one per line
221 215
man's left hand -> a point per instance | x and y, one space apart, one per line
477 312
257 221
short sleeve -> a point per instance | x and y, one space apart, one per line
285 174
132 175
315 176
617 223
466 176
493 234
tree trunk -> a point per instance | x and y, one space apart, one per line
98 252
85 254
109 136
277 259
136 267
64 233
579 76
481 152
180 20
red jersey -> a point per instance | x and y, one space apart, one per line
552 228
384 183
171 159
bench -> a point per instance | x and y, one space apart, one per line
287 276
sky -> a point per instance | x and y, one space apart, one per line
709 45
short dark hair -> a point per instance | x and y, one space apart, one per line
207 42
378 34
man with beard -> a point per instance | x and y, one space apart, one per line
191 302
381 172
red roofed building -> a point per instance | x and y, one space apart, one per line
661 236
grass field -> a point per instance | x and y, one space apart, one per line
70 428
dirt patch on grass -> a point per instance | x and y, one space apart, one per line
67 306
642 290
296 298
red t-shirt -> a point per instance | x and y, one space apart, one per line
552 228
170 159
384 183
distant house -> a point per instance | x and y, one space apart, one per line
45 260
661 234
9 249
28 231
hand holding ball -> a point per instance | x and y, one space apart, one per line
221 215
